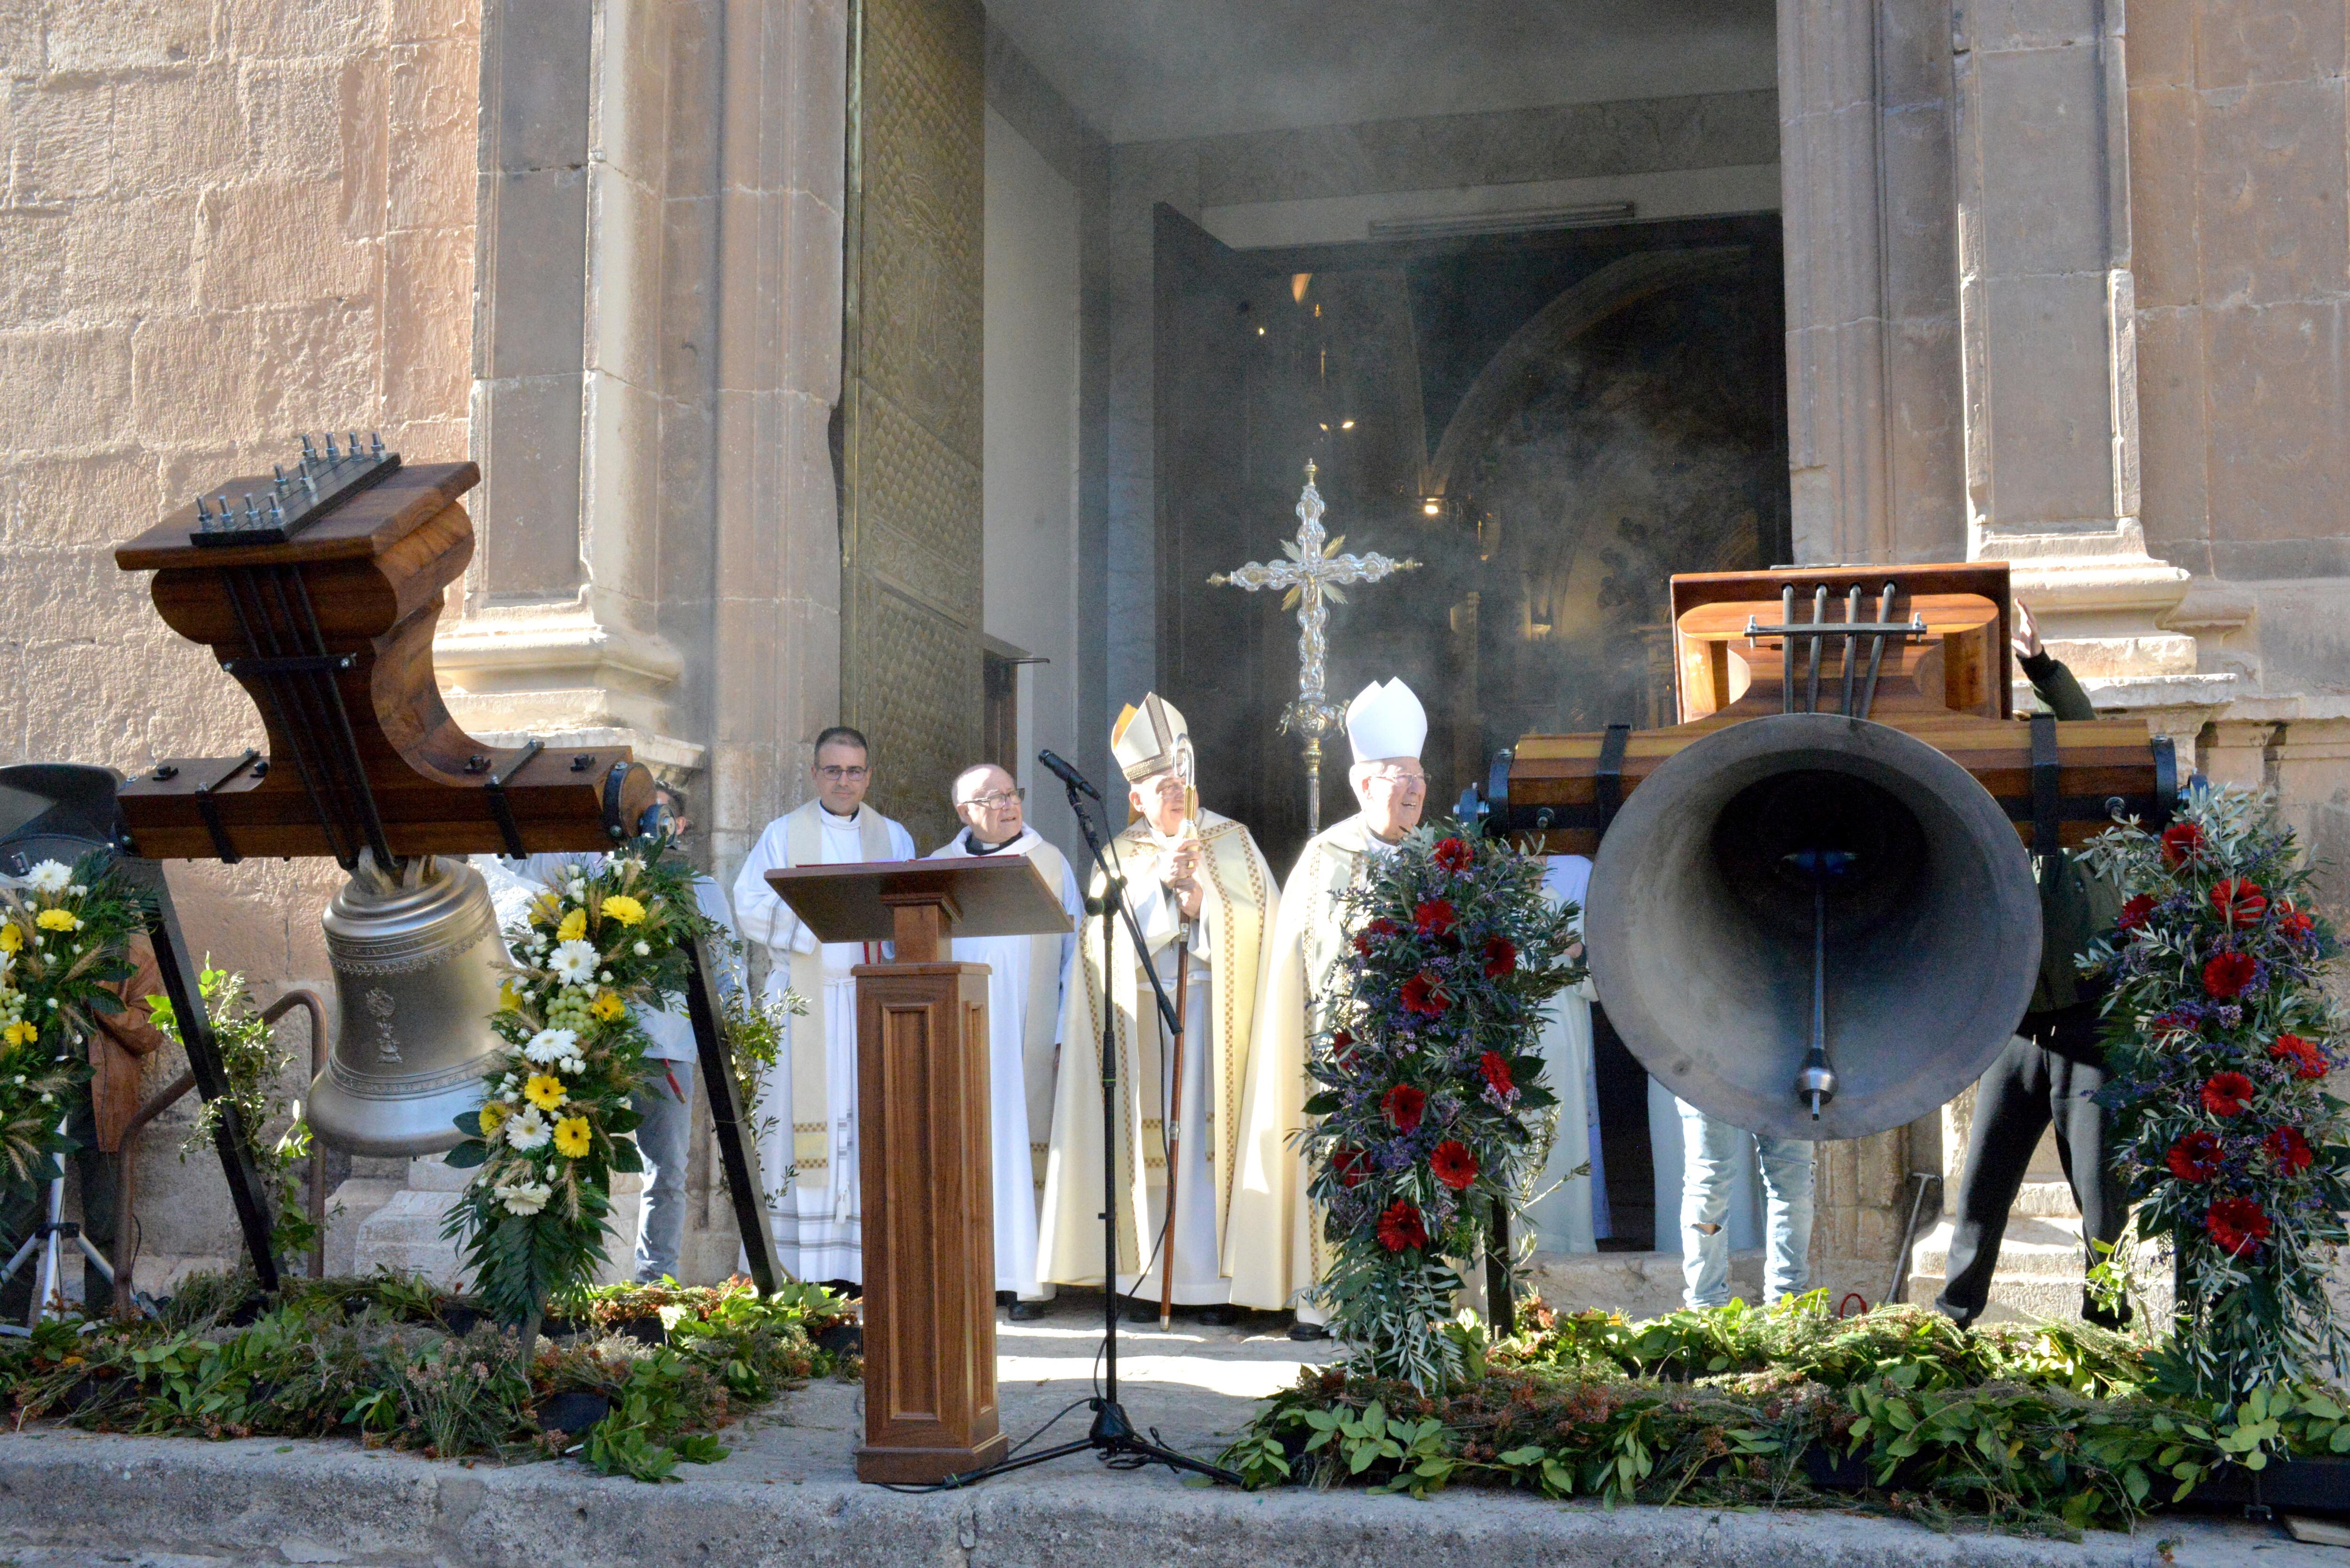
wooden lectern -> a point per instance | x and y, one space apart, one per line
924 1174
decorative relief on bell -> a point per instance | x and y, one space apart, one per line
379 1003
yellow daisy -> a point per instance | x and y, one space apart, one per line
20 1033
494 1117
623 908
574 927
12 937
55 920
545 1091
571 1140
607 1006
510 998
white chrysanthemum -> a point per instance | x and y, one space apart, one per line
50 876
528 1130
523 1197
644 950
575 961
551 1045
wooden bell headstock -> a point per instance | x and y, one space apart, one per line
320 598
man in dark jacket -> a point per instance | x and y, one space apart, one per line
2052 1068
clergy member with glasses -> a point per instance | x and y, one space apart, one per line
811 1097
1276 1248
1027 976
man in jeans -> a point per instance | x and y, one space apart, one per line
1712 1151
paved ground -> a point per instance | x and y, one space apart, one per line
786 1495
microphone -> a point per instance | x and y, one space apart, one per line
1068 775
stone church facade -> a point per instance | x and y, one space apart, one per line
703 286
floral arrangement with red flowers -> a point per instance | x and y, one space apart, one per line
1427 1086
2218 1038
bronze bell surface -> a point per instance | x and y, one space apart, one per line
417 964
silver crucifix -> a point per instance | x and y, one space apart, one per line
1313 575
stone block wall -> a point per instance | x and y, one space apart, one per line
222 221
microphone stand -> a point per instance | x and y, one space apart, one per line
1112 1435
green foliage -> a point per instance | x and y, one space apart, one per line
2047 1427
376 1358
256 1066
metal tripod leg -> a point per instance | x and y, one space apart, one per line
245 1189
726 1116
48 1273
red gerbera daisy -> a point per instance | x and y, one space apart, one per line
1425 994
2181 842
1342 1047
2228 973
2307 1060
2238 1225
2168 1027
1403 1105
2288 1150
2135 911
1496 1068
1351 1164
2238 901
2226 1094
1453 1164
1501 957
1454 854
1434 917
1377 931
1401 1228
2195 1158
2292 922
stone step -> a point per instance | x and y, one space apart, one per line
1636 1284
2034 1247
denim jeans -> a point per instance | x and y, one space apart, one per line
1712 1153
663 1139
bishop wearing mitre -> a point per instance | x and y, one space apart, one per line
807 1110
1204 899
1027 979
1283 1259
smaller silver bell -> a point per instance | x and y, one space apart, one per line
418 964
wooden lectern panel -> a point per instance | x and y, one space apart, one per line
929 1229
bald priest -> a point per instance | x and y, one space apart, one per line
1386 727
1205 898
1027 981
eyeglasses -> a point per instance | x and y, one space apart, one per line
1000 800
1400 780
843 775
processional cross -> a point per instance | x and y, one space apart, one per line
1313 574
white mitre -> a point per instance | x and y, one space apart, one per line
1385 722
1152 739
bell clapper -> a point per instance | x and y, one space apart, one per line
1815 1082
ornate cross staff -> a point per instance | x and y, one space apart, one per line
1313 575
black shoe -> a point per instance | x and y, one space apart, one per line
1029 1312
1222 1316
1134 1309
1308 1332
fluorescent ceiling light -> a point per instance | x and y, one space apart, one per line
1512 220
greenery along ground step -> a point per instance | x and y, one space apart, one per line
2049 1426
646 1376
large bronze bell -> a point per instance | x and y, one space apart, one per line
418 964
1814 926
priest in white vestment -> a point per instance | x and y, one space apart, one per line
1206 897
1273 1249
1027 978
811 1095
